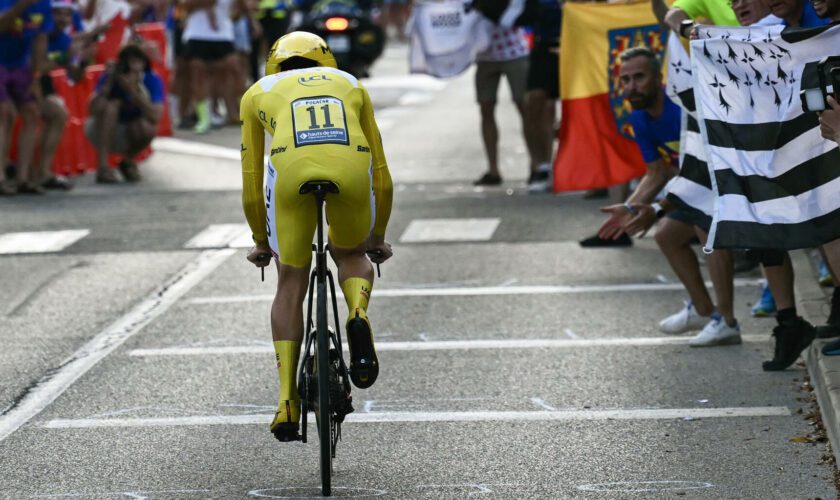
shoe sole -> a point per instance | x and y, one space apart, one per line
727 341
286 432
359 337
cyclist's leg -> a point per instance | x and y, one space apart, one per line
291 225
351 218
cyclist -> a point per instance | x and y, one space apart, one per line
322 127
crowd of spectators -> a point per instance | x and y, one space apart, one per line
214 49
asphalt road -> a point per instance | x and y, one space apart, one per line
137 362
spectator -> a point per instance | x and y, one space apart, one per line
796 13
395 13
209 36
61 53
543 91
507 55
830 129
124 113
24 25
717 12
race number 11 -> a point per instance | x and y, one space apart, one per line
319 120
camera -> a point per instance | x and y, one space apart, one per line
828 72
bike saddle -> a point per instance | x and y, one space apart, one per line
313 186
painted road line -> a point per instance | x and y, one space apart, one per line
447 345
462 291
443 416
434 230
52 385
222 236
40 241
194 148
407 82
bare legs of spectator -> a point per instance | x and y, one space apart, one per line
30 114
722 274
106 119
490 134
181 88
232 84
7 113
674 240
539 127
55 118
200 94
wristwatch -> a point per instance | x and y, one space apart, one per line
685 27
658 210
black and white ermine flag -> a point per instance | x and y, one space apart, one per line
777 180
691 190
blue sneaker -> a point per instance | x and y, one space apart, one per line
825 278
765 306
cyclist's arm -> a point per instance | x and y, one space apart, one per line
382 186
253 145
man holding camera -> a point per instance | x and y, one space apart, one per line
124 113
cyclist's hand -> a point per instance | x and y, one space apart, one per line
378 249
260 255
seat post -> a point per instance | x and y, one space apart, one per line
320 254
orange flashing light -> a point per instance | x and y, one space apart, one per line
337 24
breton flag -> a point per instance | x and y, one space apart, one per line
777 179
691 190
596 140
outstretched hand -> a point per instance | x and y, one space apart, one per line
642 221
613 227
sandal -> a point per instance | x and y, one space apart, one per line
29 188
129 171
488 179
107 177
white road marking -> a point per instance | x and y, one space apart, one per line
52 385
466 291
542 404
428 230
442 416
571 334
447 345
195 148
222 236
408 82
40 241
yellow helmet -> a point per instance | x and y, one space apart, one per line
299 44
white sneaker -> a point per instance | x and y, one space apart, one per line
717 332
687 320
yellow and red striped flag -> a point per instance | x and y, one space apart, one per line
596 139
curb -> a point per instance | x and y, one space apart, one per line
811 302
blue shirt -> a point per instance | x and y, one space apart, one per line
58 47
809 17
16 44
129 111
658 138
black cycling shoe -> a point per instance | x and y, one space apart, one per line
286 432
791 340
364 367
